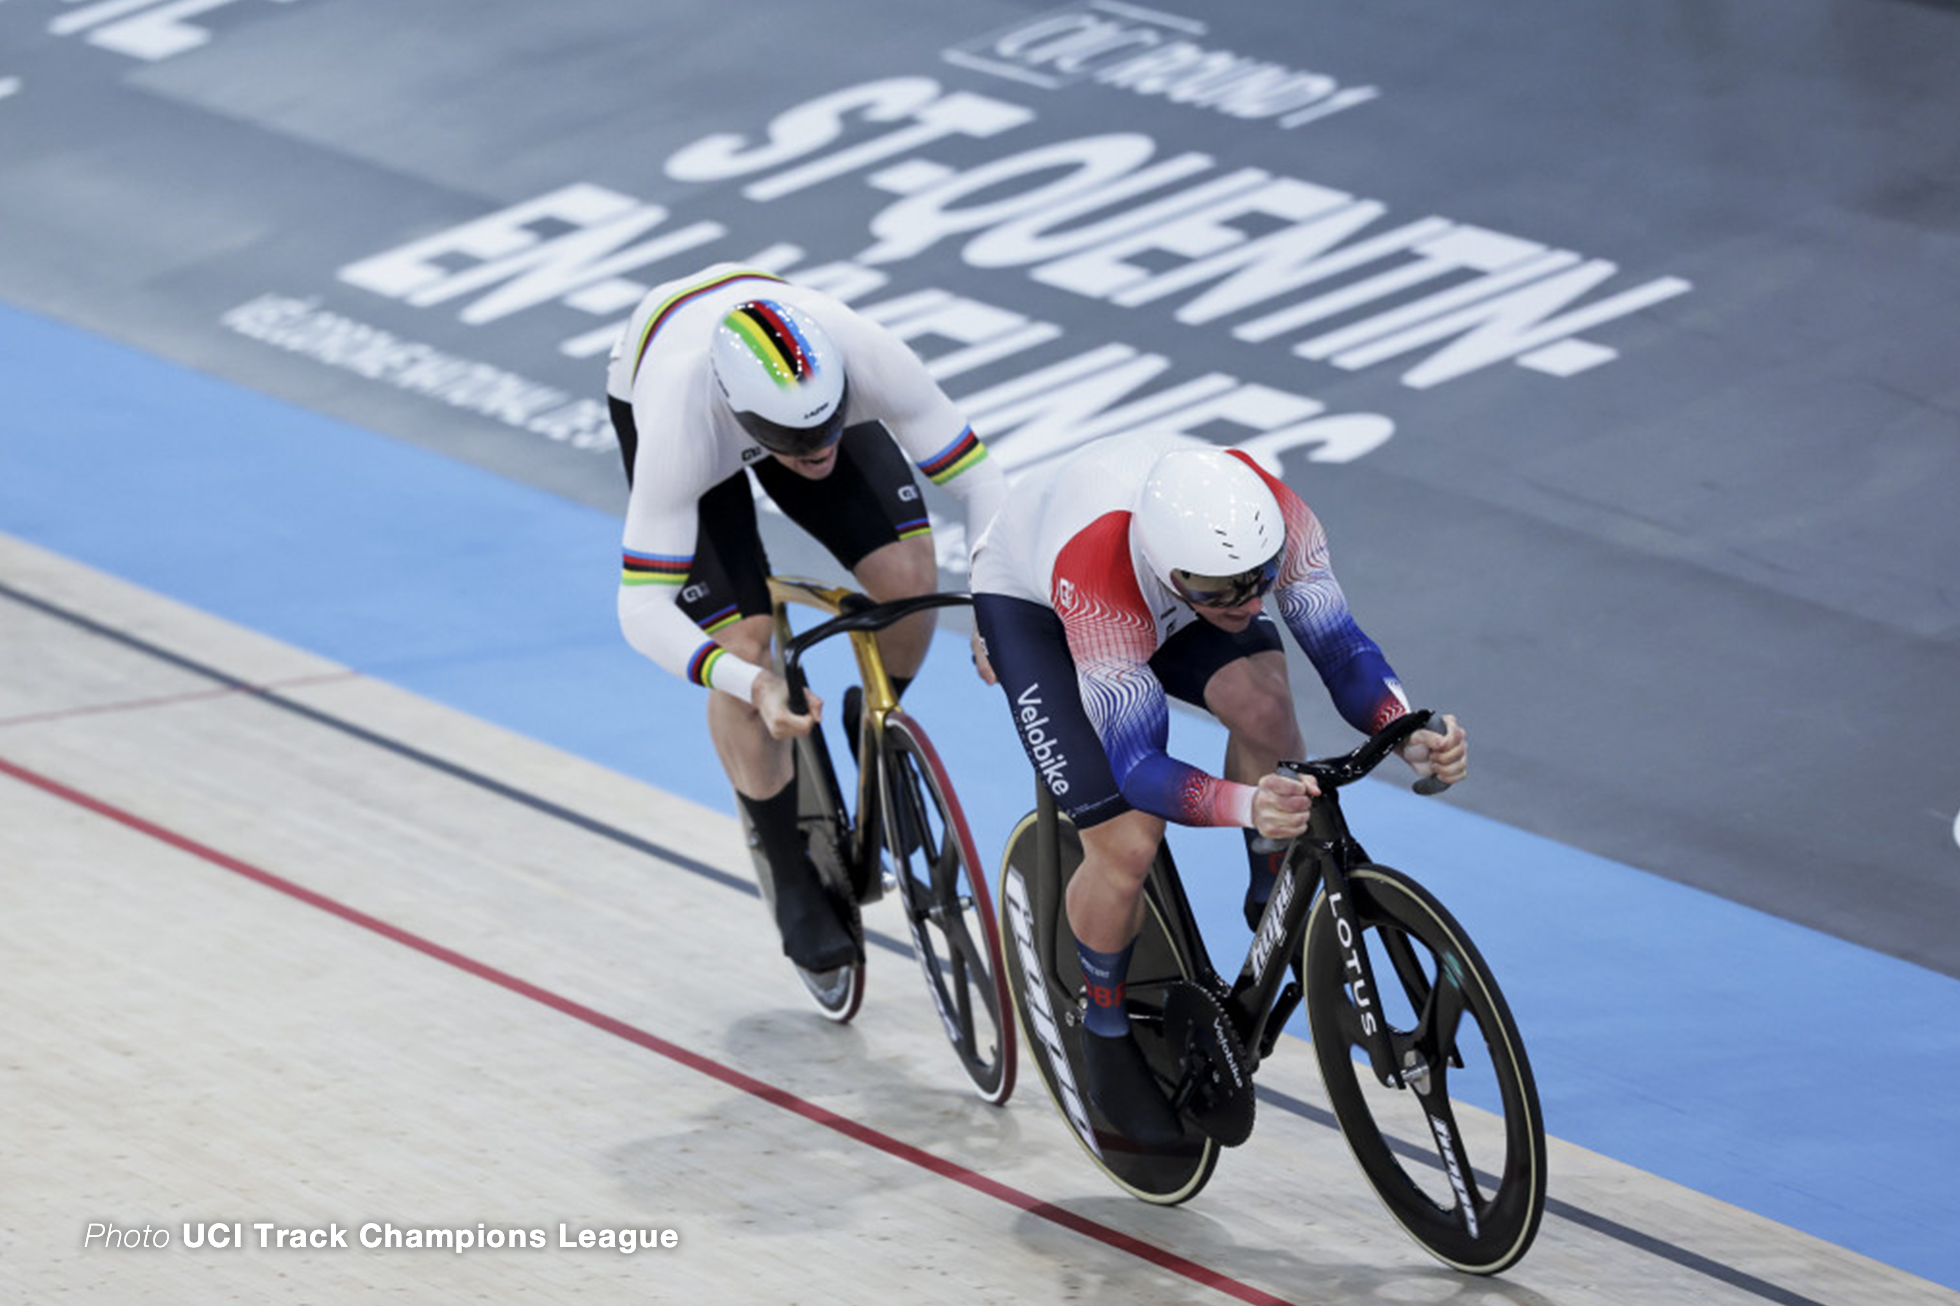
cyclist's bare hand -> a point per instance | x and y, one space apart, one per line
980 662
1444 754
770 695
1280 805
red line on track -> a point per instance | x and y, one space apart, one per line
728 1075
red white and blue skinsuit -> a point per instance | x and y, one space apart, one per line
1063 541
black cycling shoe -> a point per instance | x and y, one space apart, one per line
1124 1090
814 936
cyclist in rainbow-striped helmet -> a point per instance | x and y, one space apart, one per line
731 372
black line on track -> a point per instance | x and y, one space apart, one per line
1599 1224
455 770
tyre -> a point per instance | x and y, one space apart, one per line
1044 976
1466 1181
947 907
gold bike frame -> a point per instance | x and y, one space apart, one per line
879 699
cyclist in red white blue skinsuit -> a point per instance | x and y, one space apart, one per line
733 372
1136 569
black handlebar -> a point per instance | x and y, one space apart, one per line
858 613
1338 771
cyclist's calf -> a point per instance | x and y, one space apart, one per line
1105 897
757 766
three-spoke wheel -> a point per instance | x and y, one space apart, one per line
1466 1181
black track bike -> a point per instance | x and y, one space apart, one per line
1401 1006
904 835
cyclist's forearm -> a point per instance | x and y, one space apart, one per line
662 633
1358 677
964 470
982 489
1365 690
1184 795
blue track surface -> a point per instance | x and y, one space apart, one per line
1771 1066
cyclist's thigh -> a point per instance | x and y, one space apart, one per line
1253 698
869 500
730 576
1029 651
901 569
1190 658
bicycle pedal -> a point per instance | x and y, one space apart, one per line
1414 1073
1216 1086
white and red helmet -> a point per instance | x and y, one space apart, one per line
1209 527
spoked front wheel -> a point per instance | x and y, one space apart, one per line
1457 1153
947 907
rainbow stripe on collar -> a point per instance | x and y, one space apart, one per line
680 299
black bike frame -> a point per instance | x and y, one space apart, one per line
1316 862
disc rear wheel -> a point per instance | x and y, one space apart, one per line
1044 975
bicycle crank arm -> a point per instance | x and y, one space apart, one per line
1282 1010
1215 1091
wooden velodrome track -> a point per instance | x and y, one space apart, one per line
285 945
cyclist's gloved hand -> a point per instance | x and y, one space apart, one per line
1280 805
770 695
1445 754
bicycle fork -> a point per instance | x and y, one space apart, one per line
1359 973
1413 1069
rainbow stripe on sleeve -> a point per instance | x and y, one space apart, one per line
720 619
654 569
965 452
910 530
701 667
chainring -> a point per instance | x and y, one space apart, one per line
1216 1070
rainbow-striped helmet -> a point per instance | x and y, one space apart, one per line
781 376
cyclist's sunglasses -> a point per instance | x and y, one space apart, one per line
1225 591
